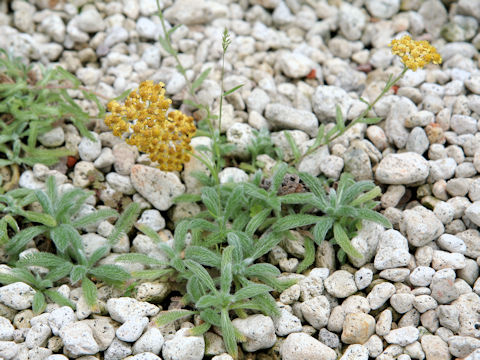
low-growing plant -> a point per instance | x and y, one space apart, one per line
42 286
71 260
31 106
56 221
342 210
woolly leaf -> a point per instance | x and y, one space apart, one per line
309 256
228 333
202 274
21 239
341 238
251 291
59 298
169 316
293 221
89 292
38 304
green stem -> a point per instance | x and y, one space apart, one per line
370 106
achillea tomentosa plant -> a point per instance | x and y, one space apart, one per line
31 106
216 255
58 224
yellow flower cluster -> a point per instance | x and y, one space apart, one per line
166 138
415 54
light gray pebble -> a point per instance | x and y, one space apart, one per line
326 98
38 335
392 251
421 276
463 124
299 346
59 318
105 159
441 169
420 226
424 303
310 287
6 329
417 141
144 356
158 187
402 169
120 183
28 181
421 118
402 336
257 100
295 65
437 151
258 329
444 212
447 260
233 175
380 294
423 256
240 135
151 341
458 187
124 308
472 212
332 166
316 311
363 278
52 138
442 286
462 346
82 174
290 295
448 316
356 351
132 329
470 272
340 284
402 302
117 350
8 349
286 323
285 117
153 219
384 323
329 338
465 170
78 339
374 345
18 296
395 275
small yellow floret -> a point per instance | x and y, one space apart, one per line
415 54
166 138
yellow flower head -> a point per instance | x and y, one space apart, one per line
166 138
415 54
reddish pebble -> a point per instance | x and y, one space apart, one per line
71 161
312 74
395 89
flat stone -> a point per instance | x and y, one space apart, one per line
158 187
402 169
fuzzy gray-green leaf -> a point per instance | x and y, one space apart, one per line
293 221
172 315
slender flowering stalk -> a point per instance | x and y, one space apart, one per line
166 138
414 55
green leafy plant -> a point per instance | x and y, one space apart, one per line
72 262
56 221
31 106
343 211
41 286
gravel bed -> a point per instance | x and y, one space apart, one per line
413 295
